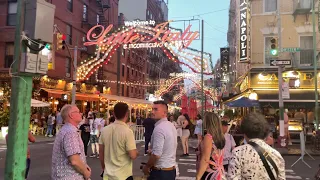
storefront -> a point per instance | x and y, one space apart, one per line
137 106
58 93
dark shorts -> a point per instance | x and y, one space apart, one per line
94 139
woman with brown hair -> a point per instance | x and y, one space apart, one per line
210 154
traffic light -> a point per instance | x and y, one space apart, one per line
48 46
61 41
274 47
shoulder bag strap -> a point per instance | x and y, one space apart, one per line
263 154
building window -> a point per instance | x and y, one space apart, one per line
136 73
85 13
128 71
9 55
70 5
69 34
306 52
270 5
122 89
132 72
68 65
12 12
122 70
127 91
100 73
131 89
123 52
98 19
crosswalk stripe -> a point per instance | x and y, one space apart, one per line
185 178
293 177
192 160
191 170
289 170
191 164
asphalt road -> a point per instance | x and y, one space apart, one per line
41 164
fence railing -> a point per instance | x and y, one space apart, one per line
138 131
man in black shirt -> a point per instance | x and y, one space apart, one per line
85 135
148 124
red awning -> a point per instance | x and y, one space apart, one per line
56 93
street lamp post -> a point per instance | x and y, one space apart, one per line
315 64
202 93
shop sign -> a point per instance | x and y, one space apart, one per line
224 59
270 80
244 22
140 23
185 75
65 97
285 90
244 84
160 34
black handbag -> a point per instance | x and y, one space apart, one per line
264 156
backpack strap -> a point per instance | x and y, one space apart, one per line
264 156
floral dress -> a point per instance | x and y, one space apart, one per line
215 169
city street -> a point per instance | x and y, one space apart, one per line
41 164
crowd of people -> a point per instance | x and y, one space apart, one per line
217 156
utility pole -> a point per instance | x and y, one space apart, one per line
202 93
118 70
315 65
74 80
20 103
280 81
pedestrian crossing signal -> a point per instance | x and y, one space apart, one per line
61 41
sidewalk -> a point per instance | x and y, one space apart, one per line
39 139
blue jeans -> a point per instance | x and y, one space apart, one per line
162 175
49 130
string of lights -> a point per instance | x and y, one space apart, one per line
104 53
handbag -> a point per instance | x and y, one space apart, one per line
264 156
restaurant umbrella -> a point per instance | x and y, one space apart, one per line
243 102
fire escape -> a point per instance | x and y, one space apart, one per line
103 5
89 22
137 61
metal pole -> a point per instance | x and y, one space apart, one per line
118 70
315 65
20 103
280 81
75 57
202 93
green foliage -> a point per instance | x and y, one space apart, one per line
4 118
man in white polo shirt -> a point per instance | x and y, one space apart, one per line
162 161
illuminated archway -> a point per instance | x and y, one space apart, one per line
170 83
173 44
